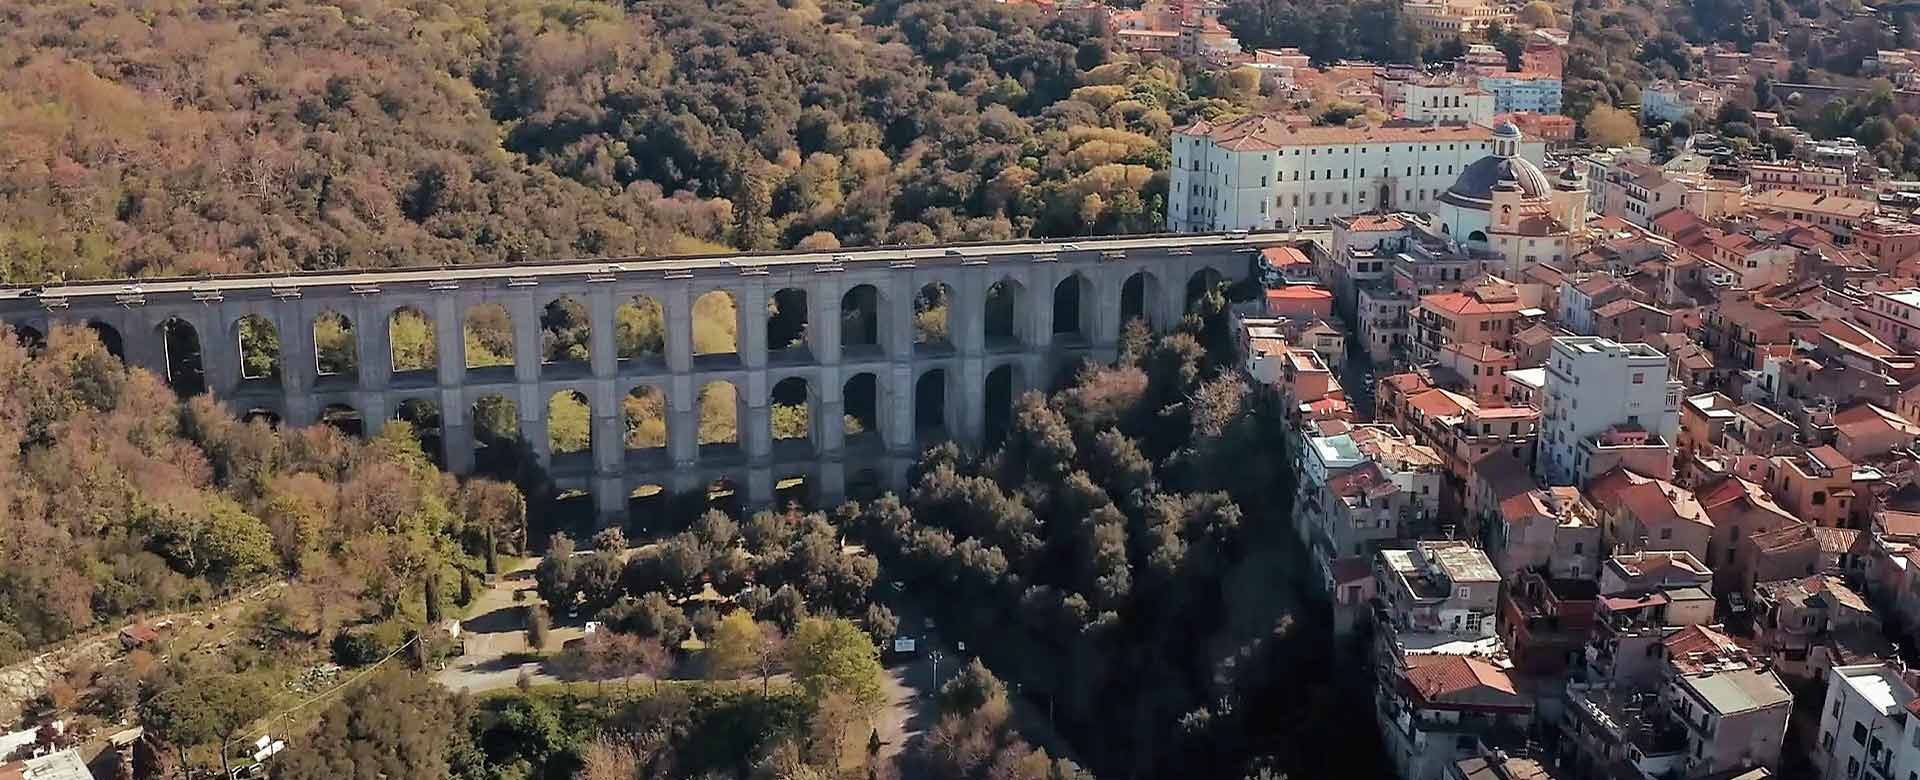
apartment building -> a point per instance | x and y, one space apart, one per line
1893 317
1595 385
1446 101
1488 313
1867 725
1538 93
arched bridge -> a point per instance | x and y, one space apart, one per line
834 367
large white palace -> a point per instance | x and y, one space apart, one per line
1264 171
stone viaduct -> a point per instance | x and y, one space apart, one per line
1014 315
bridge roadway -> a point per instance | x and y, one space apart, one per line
920 390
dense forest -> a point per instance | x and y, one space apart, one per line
270 136
117 499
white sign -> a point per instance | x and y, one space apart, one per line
903 645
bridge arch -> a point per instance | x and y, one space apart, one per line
566 333
109 337
1003 308
640 331
183 360
933 321
335 352
412 348
1140 297
1074 302
487 332
258 340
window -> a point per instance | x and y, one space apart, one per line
1639 377
1820 499
1666 533
1859 733
1462 592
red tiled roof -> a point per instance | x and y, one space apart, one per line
1466 303
1375 222
1266 131
1278 256
1864 418
1457 679
1697 639
1298 292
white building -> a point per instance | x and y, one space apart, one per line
1439 101
1260 171
1595 385
1672 101
1865 724
1532 92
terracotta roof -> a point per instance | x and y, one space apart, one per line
1836 540
1697 639
1460 680
1654 502
1895 523
1622 306
1278 256
1865 418
1820 204
1483 353
1827 456
1375 222
1536 335
1298 292
1266 131
1466 303
1437 403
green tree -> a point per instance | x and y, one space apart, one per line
735 646
829 655
399 725
207 711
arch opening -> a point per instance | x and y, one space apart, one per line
109 338
569 423
931 326
860 320
719 405
864 485
185 372
411 342
1002 309
259 343
1003 386
30 338
345 419
640 330
726 497
716 325
1202 283
424 416
1073 308
497 445
1137 295
262 415
930 406
645 410
487 332
787 324
335 353
793 493
860 402
647 507
790 405
566 334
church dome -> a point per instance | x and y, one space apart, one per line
1476 181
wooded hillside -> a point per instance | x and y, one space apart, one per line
248 136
